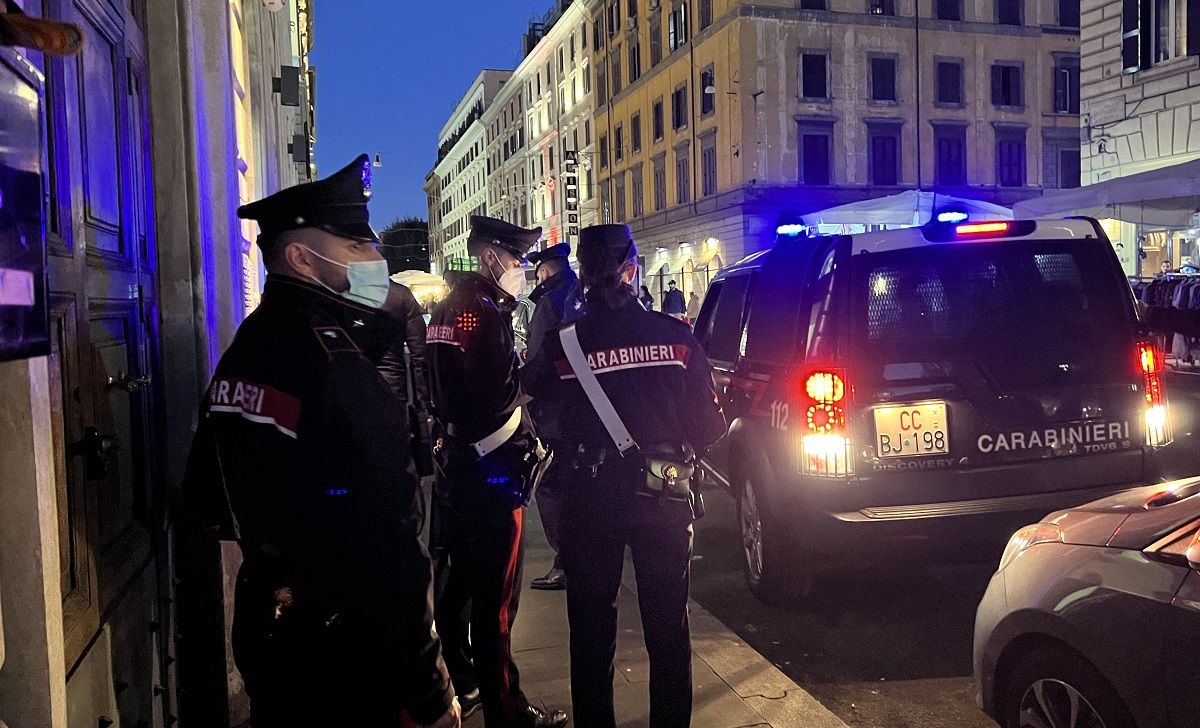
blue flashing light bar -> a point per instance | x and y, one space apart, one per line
792 230
951 216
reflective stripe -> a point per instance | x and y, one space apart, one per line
499 437
595 393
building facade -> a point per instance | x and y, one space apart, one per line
461 169
717 119
1140 89
152 136
540 132
274 113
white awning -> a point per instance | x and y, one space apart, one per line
413 278
1167 196
911 207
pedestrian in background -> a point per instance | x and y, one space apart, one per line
490 460
673 304
646 299
556 299
693 308
296 458
632 480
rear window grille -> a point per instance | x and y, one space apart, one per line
1027 313
1058 268
904 302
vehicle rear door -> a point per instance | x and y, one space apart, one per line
978 358
721 330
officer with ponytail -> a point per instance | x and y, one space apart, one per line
639 392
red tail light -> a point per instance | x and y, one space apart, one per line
982 228
1151 365
825 439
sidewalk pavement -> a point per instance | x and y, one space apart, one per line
734 686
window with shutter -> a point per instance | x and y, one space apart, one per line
679 108
1068 13
814 76
950 82
638 192
948 9
1069 168
656 45
708 164
1066 86
1010 158
660 183
883 79
950 152
885 157
1006 85
619 192
816 142
683 180
1008 12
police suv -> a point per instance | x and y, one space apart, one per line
927 389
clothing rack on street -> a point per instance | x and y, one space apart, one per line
1172 290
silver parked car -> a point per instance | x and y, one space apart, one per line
1093 618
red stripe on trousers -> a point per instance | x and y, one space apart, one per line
510 582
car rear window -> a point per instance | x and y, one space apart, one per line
725 342
1029 312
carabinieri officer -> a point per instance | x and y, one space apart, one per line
638 392
490 461
297 458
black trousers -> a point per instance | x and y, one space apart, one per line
604 515
451 592
551 499
298 673
486 547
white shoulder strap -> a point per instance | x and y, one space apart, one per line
595 393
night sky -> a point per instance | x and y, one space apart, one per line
389 74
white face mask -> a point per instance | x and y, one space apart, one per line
511 281
369 280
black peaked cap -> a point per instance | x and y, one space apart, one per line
562 251
336 204
490 231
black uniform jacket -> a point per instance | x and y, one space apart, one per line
403 306
551 300
651 367
299 428
472 359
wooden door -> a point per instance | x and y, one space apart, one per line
102 282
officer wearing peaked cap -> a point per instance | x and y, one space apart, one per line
632 474
489 460
295 458
556 299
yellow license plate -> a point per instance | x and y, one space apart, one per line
912 430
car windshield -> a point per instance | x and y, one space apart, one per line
1026 312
